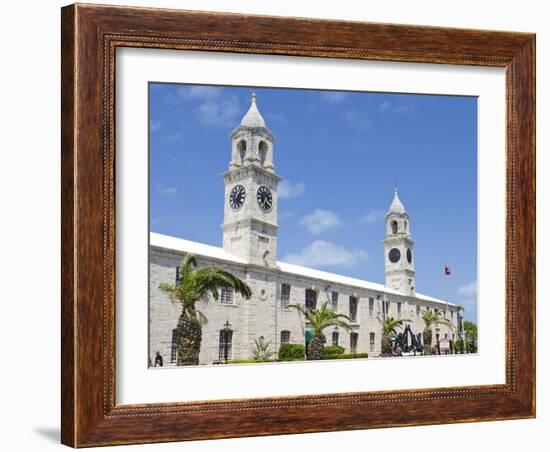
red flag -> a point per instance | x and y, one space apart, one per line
447 271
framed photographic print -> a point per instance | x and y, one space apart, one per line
282 225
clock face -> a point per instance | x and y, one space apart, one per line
265 199
394 255
237 196
409 255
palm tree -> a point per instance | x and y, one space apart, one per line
389 327
261 350
191 287
320 319
460 342
432 318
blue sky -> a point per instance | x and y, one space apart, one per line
340 154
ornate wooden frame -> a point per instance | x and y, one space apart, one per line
90 35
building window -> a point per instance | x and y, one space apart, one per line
226 295
226 344
177 274
174 346
353 309
241 147
372 341
452 315
335 337
371 306
262 151
386 307
353 338
394 227
285 337
311 299
285 295
418 310
335 301
398 310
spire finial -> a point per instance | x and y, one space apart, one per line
396 205
253 117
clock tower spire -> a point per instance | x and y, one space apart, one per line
250 208
398 248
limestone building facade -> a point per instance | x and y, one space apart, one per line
250 252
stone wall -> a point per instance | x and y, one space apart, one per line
264 315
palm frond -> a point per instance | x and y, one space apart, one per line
323 317
188 263
208 278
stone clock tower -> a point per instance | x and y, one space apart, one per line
398 248
250 208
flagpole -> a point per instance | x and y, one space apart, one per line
445 284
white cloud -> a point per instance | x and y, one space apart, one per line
372 216
199 92
320 220
385 106
154 125
332 97
324 254
166 190
219 112
405 109
288 190
358 120
468 289
177 136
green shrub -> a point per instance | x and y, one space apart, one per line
331 350
247 361
347 356
291 352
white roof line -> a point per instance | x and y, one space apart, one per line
186 246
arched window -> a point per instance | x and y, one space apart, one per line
285 294
225 344
394 227
285 337
311 299
406 225
241 147
174 346
353 339
335 337
353 308
262 151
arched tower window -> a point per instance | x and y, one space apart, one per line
226 344
241 147
394 227
285 337
262 151
406 225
